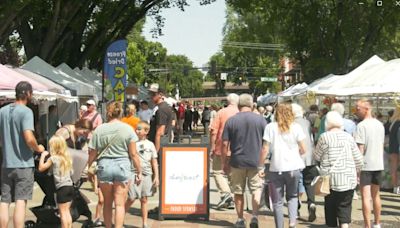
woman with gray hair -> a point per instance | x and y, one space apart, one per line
310 171
340 158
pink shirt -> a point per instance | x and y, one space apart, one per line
89 116
218 125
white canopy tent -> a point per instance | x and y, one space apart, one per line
294 90
341 84
383 78
67 105
54 87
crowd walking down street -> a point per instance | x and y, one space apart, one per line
262 160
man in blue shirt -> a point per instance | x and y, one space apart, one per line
19 142
243 134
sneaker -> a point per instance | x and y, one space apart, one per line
254 222
231 205
311 213
240 223
226 199
98 223
376 225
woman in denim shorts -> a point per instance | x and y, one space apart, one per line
113 144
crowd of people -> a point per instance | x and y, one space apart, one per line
279 147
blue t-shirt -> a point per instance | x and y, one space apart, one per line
245 132
14 120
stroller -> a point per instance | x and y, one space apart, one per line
47 213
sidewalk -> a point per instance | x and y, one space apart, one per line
226 218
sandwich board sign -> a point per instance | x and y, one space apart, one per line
184 189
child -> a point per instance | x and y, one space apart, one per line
61 163
148 160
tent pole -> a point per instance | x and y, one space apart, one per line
349 106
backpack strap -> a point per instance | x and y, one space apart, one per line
94 117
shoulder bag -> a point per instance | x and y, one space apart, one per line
322 184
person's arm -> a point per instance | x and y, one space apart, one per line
263 157
360 138
135 159
43 166
361 147
302 147
319 149
92 156
31 141
224 156
213 138
156 179
215 125
159 132
263 154
357 156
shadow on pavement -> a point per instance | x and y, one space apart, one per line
217 223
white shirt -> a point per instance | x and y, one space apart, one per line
145 115
371 133
285 149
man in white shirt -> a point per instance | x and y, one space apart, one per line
369 136
145 112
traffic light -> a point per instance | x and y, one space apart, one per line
186 71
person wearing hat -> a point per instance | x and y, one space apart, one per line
161 121
18 142
91 114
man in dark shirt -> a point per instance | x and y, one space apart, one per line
243 134
160 123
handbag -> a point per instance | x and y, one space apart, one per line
322 183
93 167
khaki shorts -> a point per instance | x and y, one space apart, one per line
238 180
217 163
144 189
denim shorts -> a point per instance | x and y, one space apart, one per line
111 170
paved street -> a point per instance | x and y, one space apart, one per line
226 218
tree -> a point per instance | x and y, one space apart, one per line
74 31
247 65
324 36
189 85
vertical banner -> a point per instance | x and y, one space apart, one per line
115 71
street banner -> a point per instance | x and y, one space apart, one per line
115 71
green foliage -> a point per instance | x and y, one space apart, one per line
74 31
148 62
324 36
136 61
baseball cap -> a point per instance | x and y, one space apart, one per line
155 88
90 102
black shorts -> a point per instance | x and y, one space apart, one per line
338 207
370 177
65 194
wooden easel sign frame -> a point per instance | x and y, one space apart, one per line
184 189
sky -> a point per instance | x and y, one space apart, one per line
195 32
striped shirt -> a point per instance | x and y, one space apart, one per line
340 157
